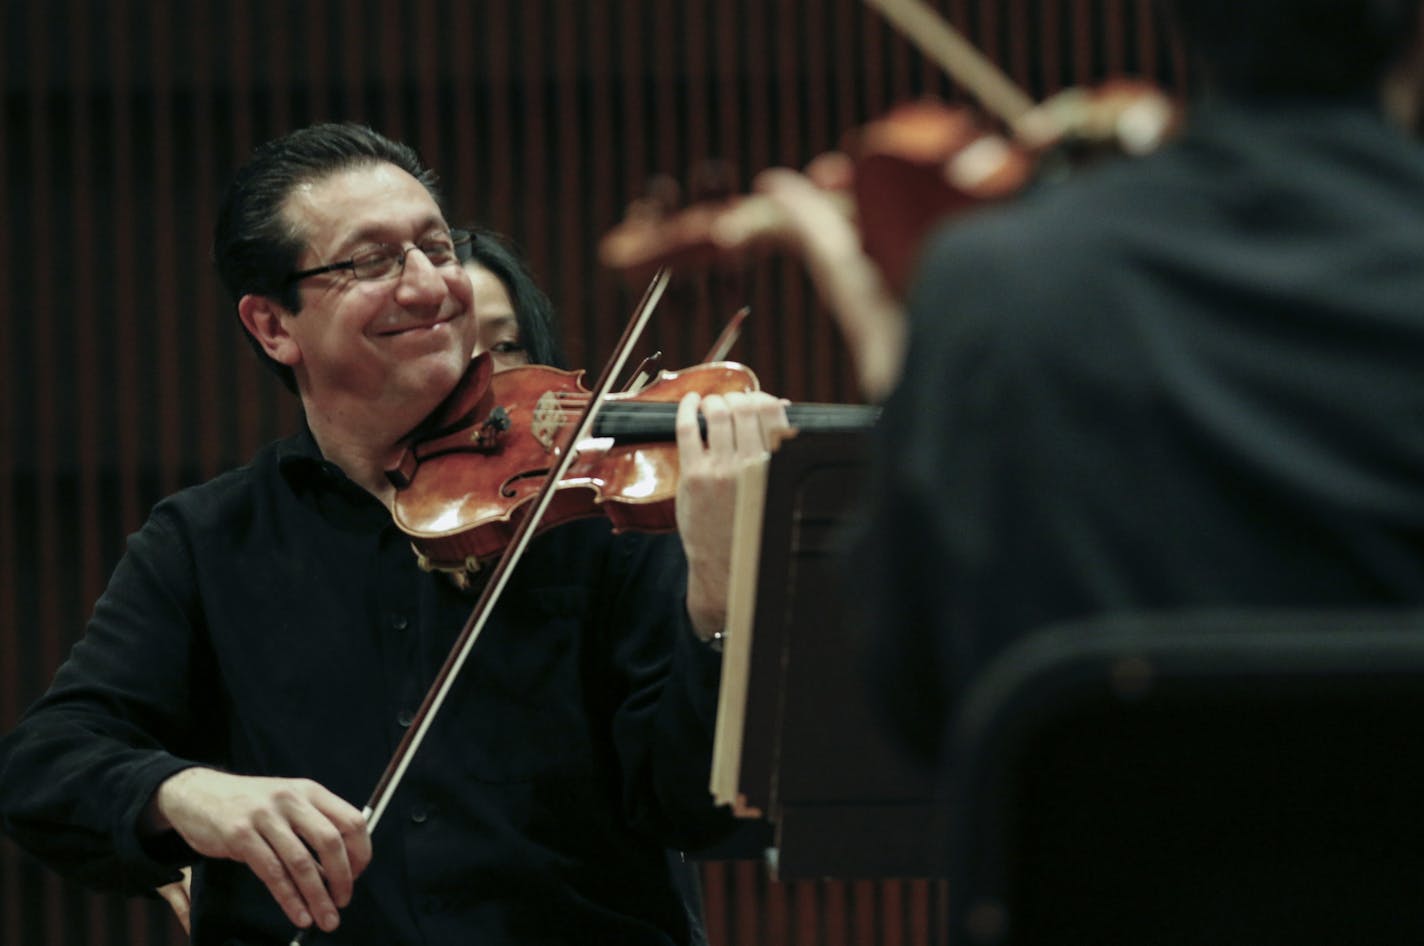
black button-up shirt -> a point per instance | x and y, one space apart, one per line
273 621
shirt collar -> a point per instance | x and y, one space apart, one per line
306 471
299 458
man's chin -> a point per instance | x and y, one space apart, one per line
436 374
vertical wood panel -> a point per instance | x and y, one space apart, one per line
892 921
1115 38
989 39
163 240
351 98
808 913
1145 42
822 337
86 377
250 415
747 888
464 44
279 46
86 532
788 151
575 230
315 58
499 138
835 916
862 899
605 141
1017 61
432 122
210 378
532 174
11 673
40 233
776 919
1050 26
1082 42
388 63
715 901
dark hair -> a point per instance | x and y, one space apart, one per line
532 309
1296 47
255 246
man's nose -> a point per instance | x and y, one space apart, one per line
419 279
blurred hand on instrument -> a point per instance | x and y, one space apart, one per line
815 226
741 428
274 826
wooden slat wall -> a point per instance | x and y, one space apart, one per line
122 372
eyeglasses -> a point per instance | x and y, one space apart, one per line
388 259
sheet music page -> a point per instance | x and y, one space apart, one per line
737 636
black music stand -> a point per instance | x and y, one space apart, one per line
798 738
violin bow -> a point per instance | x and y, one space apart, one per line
960 59
400 761
1137 130
722 347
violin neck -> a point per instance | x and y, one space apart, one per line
656 421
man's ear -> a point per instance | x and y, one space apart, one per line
262 317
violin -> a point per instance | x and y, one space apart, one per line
899 176
467 478
896 178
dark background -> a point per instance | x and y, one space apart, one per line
122 371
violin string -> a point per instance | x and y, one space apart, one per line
936 38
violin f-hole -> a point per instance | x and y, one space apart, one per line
508 488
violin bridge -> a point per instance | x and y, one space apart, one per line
548 417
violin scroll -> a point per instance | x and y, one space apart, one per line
1121 117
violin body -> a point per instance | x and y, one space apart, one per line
469 484
920 164
470 473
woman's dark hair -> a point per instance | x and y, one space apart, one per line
254 246
1295 47
532 309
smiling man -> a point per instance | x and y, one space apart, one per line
267 637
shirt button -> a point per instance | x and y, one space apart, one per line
405 718
419 815
399 622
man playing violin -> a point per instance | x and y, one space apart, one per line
267 636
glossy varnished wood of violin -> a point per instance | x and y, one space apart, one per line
471 472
